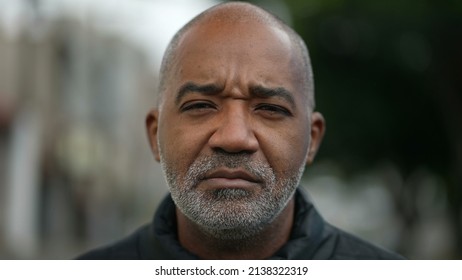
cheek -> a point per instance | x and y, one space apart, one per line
179 146
287 150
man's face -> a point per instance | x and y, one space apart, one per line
233 130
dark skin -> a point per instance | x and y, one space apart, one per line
236 88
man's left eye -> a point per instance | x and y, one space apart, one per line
274 109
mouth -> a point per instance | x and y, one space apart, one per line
229 178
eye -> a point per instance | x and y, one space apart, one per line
274 110
197 106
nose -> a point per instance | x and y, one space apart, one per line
234 134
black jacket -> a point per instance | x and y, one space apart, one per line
311 238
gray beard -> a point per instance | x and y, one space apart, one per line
230 214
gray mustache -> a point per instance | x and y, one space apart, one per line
260 169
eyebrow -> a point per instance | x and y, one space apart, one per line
265 92
259 91
190 87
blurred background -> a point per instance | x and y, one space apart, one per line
77 78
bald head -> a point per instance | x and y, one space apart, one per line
234 13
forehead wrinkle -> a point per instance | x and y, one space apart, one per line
240 12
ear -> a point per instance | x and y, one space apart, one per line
318 126
152 124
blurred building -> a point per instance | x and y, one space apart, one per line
75 167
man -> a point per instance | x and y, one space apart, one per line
233 130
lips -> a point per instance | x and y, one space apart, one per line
229 178
232 174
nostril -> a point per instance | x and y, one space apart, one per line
239 141
234 133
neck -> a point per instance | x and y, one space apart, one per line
260 246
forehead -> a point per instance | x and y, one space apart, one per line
244 48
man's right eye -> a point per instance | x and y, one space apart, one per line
196 106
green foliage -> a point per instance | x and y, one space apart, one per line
388 80
379 69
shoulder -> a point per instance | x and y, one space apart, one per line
325 241
124 249
350 247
